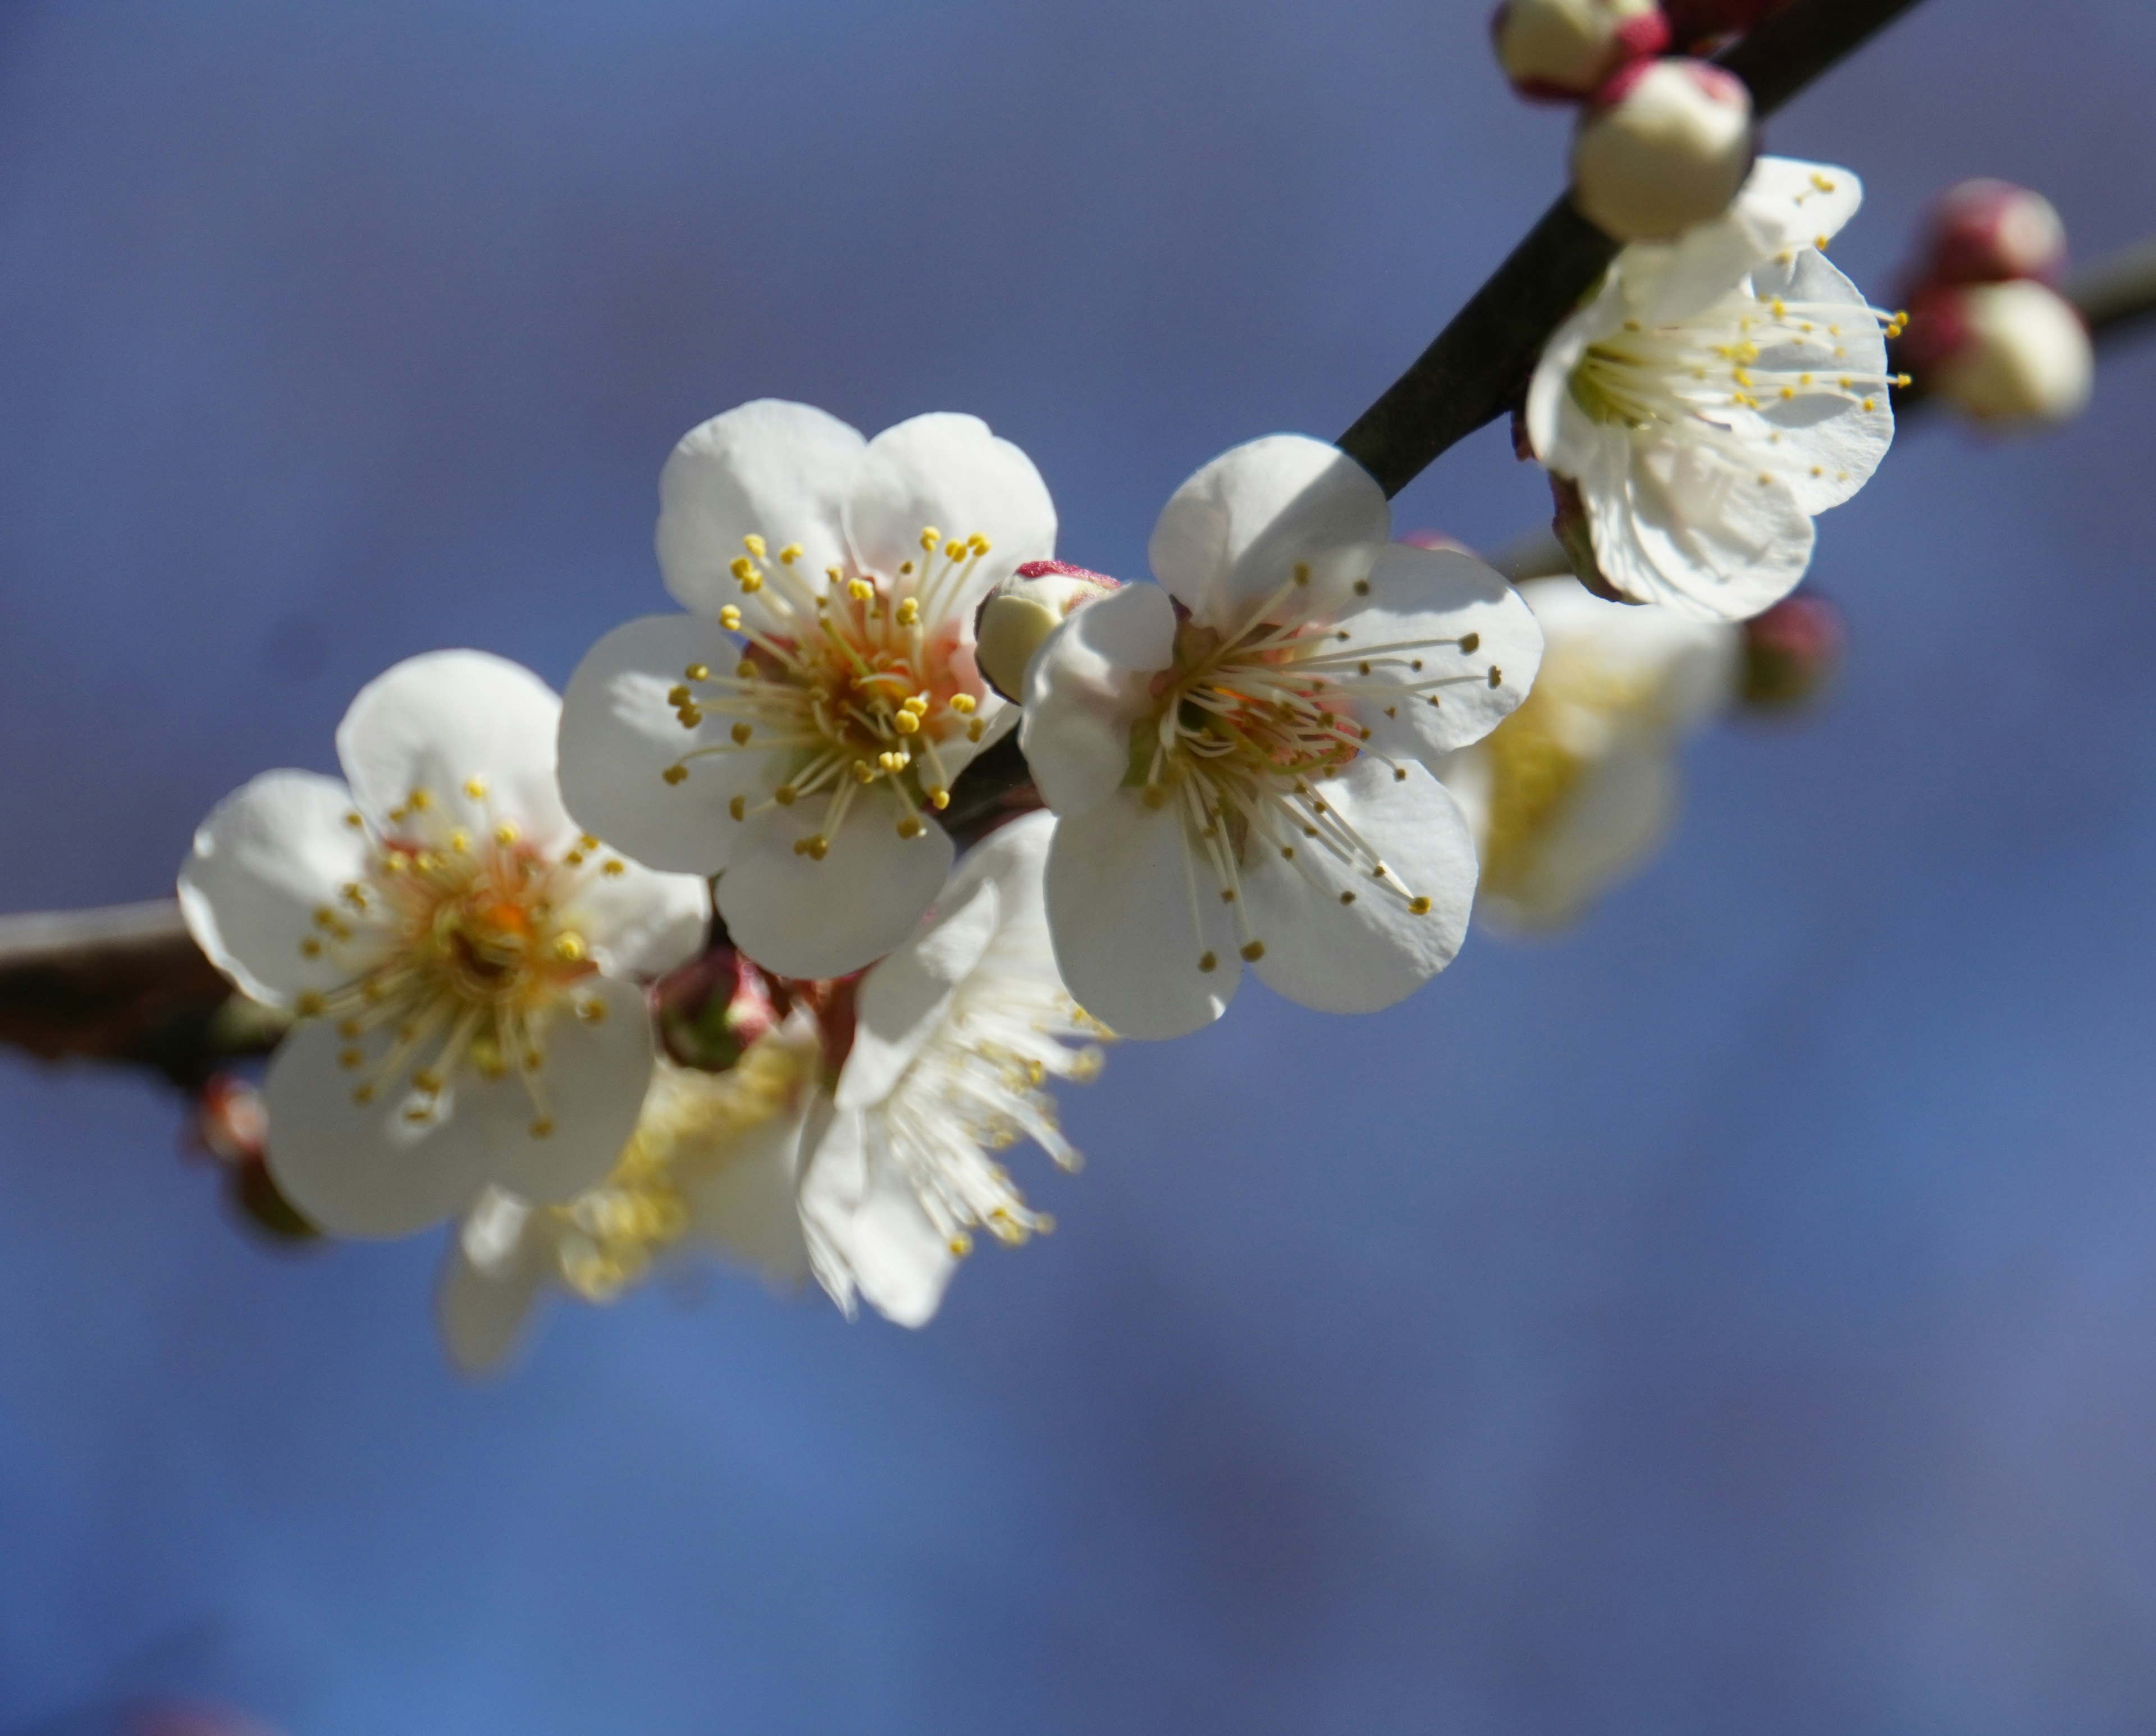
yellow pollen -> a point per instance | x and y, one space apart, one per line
1254 950
754 544
815 848
951 551
613 867
420 801
542 1129
354 821
939 799
751 583
592 1012
789 554
912 826
569 947
475 787
1417 906
738 807
309 1005
906 723
930 536
859 589
962 704
1347 897
730 618
978 728
1207 962
741 733
785 795
505 833
350 1059
909 611
678 696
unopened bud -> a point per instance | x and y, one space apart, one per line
1665 145
1022 611
1565 50
230 1122
1990 231
712 1007
2000 352
1791 652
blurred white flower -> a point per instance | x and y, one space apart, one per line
1716 393
1577 787
458 957
955 1035
710 1166
800 730
1238 754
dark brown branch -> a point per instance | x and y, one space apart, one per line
1476 368
2118 294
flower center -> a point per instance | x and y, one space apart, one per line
859 679
1747 353
457 945
1248 722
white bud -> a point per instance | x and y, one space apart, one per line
2023 355
1667 144
1568 47
1021 612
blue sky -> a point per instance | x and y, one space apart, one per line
1738 1314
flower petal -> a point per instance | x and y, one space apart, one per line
905 998
1359 956
1611 820
495 1276
595 1067
1233 535
948 472
744 1204
801 917
1558 428
1425 602
439 722
619 736
867 1230
270 855
1825 444
769 469
1681 527
1089 682
1132 921
1683 668
637 922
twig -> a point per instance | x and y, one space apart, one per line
1476 366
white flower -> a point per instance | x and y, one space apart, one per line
1575 787
1238 755
955 1034
457 956
710 1166
1716 393
799 729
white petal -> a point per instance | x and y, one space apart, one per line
1132 920
1687 665
592 1079
619 735
437 721
1612 819
637 922
271 855
1360 956
801 917
1233 535
867 1230
1090 681
948 472
905 998
494 1276
742 1202
1556 425
769 469
1823 444
1425 601
1787 203
361 1169
1686 529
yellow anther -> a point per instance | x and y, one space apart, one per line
363 1094
1207 962
680 695
962 1244
891 760
699 671
542 1129
614 867
1254 950
574 858
912 826
741 733
953 550
475 787
569 947
1417 906
460 841
754 544
906 723
977 543
939 799
354 821
786 795
962 704
751 583
917 704
592 1012
675 774
789 554
909 611
864 772
1347 897
738 807
1871 403
730 618
930 536
745 670
309 1005
815 848
349 1058
859 589
505 833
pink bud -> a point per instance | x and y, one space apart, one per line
1665 145
230 1122
1791 652
1021 612
1990 231
1563 50
712 1007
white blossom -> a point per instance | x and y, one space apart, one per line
798 730
957 1033
710 1167
459 957
1576 788
1239 755
1716 393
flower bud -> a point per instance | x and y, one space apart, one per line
1665 145
711 1008
1561 50
1022 611
1791 652
230 1122
1990 231
2002 352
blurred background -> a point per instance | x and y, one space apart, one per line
1738 1314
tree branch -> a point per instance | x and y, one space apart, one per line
1474 369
